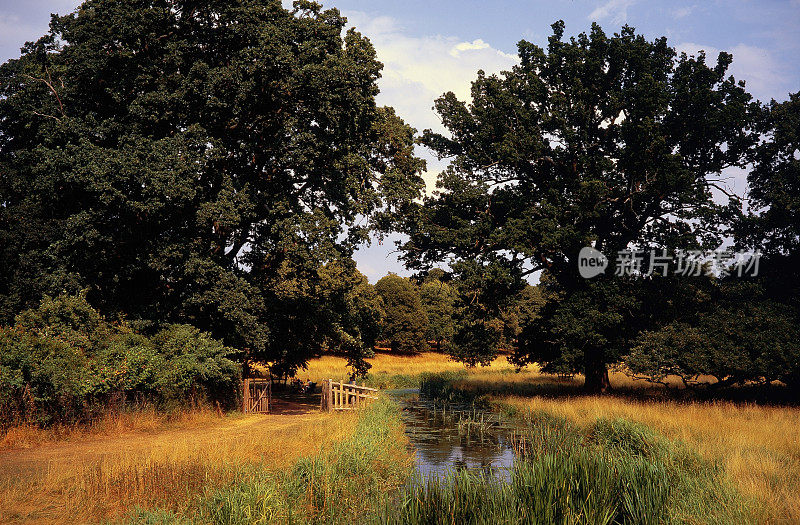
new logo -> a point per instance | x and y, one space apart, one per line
591 262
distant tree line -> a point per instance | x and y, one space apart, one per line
214 165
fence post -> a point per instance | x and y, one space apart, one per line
246 396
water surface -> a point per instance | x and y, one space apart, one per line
446 437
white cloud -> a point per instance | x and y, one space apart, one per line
762 73
417 70
468 46
616 10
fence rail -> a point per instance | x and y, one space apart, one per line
257 396
343 396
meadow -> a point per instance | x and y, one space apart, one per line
757 447
643 455
195 466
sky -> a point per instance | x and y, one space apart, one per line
433 46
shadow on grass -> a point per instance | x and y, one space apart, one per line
462 387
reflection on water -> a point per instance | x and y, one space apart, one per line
447 437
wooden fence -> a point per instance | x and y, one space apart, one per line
342 396
257 396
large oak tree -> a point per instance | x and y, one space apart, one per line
597 140
178 157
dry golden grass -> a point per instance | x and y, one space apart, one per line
102 478
146 419
331 367
758 446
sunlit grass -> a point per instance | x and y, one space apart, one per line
142 419
395 370
758 446
347 481
95 480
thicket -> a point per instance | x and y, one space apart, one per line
62 362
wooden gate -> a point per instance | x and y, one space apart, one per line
342 396
257 396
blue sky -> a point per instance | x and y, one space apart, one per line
429 47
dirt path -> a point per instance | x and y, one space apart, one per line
96 479
30 463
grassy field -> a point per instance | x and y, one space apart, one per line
172 466
391 370
350 479
756 446
738 461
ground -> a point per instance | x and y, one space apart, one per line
147 460
99 475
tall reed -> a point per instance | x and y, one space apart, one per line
617 472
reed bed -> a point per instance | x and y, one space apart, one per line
613 473
758 446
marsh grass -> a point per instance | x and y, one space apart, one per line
753 448
756 448
612 473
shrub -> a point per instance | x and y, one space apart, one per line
195 365
42 378
63 362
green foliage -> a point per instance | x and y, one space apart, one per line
439 301
63 362
485 314
405 322
356 313
332 309
183 160
593 141
773 224
192 361
739 335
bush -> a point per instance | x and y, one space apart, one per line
62 362
194 365
42 378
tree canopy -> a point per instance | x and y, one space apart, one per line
603 141
405 322
180 160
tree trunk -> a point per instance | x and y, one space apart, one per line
596 374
